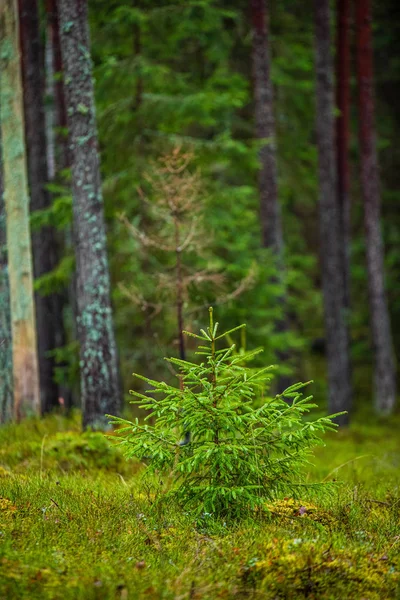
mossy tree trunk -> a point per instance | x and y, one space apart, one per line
336 331
45 246
6 376
271 225
98 354
25 363
384 370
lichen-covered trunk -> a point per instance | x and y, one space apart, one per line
98 354
343 136
271 227
45 247
337 343
384 371
6 376
25 363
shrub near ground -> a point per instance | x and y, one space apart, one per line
76 522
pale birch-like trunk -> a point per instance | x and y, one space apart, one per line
25 362
6 375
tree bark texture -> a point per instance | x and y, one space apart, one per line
337 344
57 162
265 130
49 313
25 363
384 371
271 226
343 136
98 355
6 376
60 159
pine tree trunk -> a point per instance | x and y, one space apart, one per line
343 136
384 371
271 226
98 355
6 376
265 130
337 344
57 162
61 157
49 314
25 363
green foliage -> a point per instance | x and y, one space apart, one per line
88 450
238 456
178 73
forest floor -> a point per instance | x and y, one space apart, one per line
77 522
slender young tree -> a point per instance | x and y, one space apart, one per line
384 371
98 354
337 344
49 314
6 376
25 363
343 135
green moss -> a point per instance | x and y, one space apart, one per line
74 526
288 508
301 568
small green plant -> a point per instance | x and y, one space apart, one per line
239 457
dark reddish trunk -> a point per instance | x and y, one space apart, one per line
337 346
384 372
343 135
137 49
44 244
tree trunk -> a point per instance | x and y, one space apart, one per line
265 130
6 376
384 371
25 363
57 162
137 52
343 136
337 343
271 226
49 314
98 355
60 159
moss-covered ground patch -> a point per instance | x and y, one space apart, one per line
77 522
